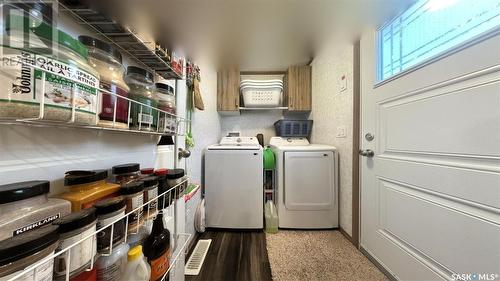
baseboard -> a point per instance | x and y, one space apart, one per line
377 264
346 235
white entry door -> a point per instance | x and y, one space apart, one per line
430 195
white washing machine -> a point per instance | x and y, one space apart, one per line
307 196
234 184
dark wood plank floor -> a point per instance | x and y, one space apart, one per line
235 256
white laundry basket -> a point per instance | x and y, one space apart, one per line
261 93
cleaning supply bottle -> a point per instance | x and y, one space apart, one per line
157 249
271 216
137 269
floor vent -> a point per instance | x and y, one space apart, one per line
197 258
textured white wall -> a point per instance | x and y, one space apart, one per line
331 109
206 126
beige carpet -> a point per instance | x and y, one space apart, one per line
317 255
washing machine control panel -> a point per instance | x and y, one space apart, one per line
282 141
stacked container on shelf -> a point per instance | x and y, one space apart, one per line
87 226
38 82
142 90
78 82
92 240
108 62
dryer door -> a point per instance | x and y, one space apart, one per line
309 180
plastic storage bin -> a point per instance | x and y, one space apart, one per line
293 128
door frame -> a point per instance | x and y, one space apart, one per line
356 134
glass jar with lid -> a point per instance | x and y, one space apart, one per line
142 90
126 173
166 102
108 62
56 60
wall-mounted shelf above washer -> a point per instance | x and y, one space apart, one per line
263 108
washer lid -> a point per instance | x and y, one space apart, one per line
298 144
283 141
237 143
234 147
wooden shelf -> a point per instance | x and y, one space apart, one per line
264 108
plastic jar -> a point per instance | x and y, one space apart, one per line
21 84
87 187
108 211
126 173
167 198
133 192
110 268
25 206
166 102
174 178
141 86
108 62
73 228
19 252
150 192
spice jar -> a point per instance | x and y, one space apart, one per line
141 86
174 178
166 102
134 198
21 84
126 173
150 192
87 187
108 211
108 62
73 228
147 172
166 199
19 252
25 206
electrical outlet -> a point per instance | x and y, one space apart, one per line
341 132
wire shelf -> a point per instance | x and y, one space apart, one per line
166 123
122 37
182 239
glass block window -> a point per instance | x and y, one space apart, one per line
430 28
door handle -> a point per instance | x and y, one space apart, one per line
183 153
367 153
